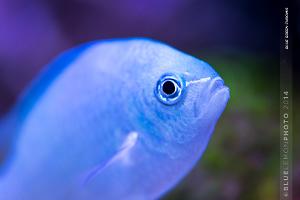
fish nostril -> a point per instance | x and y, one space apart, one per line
169 87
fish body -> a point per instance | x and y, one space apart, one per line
115 119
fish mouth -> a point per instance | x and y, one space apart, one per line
218 88
218 95
213 98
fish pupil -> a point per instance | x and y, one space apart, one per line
168 87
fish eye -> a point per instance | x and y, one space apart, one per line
169 89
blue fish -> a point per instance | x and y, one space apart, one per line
113 119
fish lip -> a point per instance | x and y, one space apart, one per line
217 95
220 97
216 86
219 92
223 89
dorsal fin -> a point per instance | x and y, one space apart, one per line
10 122
39 85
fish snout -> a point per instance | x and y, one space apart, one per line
214 102
219 95
215 85
212 95
217 88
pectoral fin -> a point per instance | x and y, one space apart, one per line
121 156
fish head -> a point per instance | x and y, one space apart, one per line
180 99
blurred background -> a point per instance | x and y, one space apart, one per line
240 39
